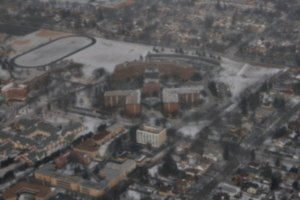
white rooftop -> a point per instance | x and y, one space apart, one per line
170 95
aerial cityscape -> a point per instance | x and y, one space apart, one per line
149 99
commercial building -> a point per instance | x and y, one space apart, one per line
112 174
40 192
130 99
155 136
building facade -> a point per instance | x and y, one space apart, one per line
155 136
129 70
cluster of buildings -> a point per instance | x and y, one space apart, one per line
27 81
109 176
151 70
37 140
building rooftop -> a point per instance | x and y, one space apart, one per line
40 191
98 186
27 122
71 127
101 135
132 96
13 85
151 129
87 145
170 95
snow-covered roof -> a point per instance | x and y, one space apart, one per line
170 95
13 85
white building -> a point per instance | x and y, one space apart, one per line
152 135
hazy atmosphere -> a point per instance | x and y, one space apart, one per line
149 99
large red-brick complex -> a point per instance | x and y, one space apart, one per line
174 97
136 68
14 91
130 99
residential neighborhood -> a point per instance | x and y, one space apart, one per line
136 100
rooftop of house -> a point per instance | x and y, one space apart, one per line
170 95
132 96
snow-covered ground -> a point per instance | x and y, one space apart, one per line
82 100
56 120
107 53
192 129
239 76
32 40
53 51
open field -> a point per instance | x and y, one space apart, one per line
52 52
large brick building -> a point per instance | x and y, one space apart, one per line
130 99
137 68
14 91
173 98
151 81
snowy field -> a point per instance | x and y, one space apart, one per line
53 51
32 40
107 54
192 129
240 76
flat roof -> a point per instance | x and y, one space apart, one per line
170 95
151 129
132 96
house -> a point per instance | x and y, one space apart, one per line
213 153
294 173
228 189
155 136
281 142
251 188
252 172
